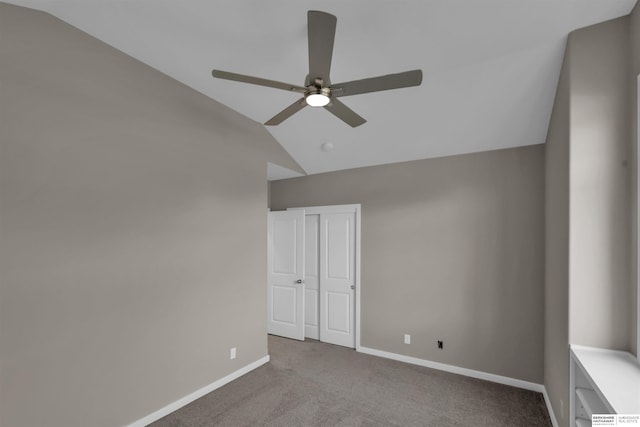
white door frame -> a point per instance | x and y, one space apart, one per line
637 219
355 208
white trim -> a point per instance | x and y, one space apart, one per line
468 373
357 209
315 210
456 370
572 387
637 142
358 285
547 402
155 416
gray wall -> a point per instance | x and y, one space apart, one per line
132 221
452 249
589 196
634 62
599 234
556 306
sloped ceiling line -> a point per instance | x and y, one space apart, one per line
490 67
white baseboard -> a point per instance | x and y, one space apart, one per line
456 370
547 401
155 416
142 422
540 388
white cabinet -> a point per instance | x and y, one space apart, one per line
603 382
587 403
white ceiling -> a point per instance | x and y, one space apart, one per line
490 66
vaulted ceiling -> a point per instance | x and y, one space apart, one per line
490 66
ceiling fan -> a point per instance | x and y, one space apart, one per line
318 90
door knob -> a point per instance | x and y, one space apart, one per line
299 281
352 286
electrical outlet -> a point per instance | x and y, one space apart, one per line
440 344
407 339
232 353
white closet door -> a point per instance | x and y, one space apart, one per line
337 278
312 277
286 274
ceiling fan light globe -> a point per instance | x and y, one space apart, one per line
317 100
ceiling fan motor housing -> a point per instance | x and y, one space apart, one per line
317 96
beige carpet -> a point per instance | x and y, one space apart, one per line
315 384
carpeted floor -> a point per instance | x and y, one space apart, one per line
315 384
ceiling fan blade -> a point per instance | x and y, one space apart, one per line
376 84
287 112
257 81
321 29
344 113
